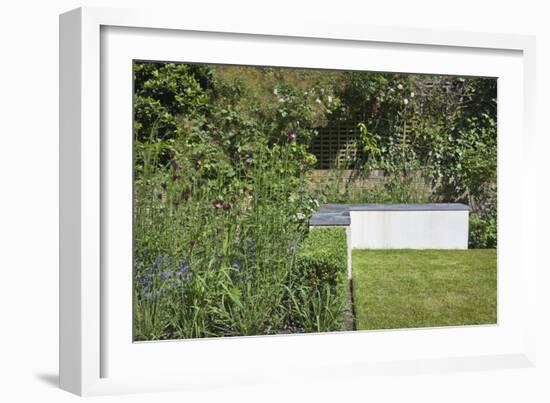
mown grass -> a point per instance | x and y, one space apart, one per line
424 288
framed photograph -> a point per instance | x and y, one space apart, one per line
241 204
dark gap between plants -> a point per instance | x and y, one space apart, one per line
350 321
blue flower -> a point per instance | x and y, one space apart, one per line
157 263
184 271
250 252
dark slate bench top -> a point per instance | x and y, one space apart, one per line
338 214
329 219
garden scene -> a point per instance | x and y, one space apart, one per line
240 175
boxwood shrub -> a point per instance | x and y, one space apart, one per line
322 258
318 286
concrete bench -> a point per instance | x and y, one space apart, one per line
398 226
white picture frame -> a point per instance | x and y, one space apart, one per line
96 355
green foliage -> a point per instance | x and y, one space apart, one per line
340 187
323 257
483 231
318 309
164 91
369 144
442 128
318 288
216 236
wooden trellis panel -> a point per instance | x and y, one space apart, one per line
335 145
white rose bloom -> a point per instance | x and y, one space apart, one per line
275 91
405 101
318 100
329 99
399 86
281 100
412 94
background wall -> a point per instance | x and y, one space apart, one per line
29 201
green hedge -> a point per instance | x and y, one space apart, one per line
323 257
318 290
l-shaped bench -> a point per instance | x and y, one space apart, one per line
398 226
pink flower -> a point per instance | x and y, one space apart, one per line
218 203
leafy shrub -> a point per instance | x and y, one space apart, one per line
322 258
482 231
318 288
162 91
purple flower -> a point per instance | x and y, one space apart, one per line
290 136
192 242
185 194
226 206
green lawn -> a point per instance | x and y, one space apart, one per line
420 288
